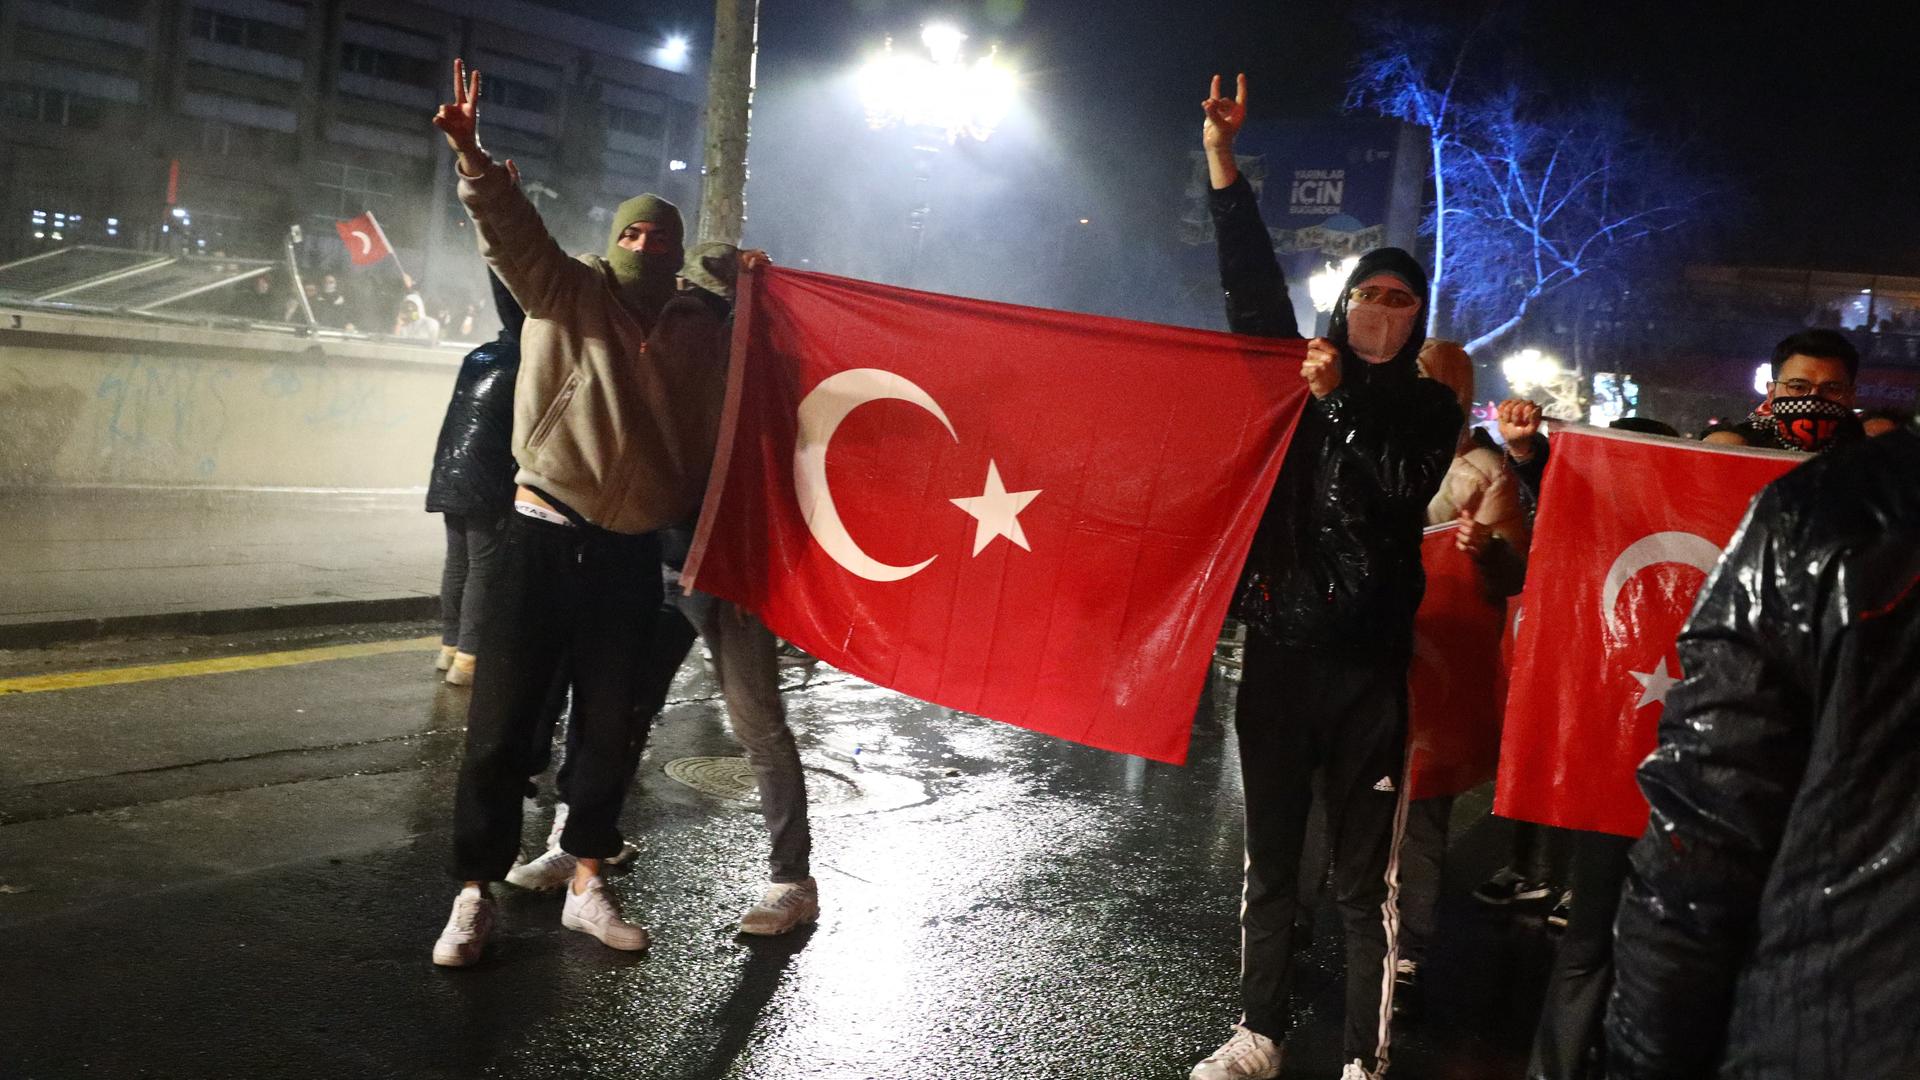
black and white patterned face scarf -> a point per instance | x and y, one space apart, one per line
1809 424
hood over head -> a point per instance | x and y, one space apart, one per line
645 280
714 267
1404 363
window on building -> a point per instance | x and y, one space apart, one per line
392 66
111 9
227 139
222 28
514 94
346 190
50 106
633 121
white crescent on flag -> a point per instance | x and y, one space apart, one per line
366 241
821 412
1689 549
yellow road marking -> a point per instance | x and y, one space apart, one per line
220 665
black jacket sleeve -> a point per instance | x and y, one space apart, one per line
1530 473
1256 288
1732 751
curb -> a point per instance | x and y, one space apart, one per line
227 621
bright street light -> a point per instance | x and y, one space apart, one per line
674 50
1324 285
940 90
1762 378
1530 368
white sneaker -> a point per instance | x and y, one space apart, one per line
1357 1071
445 659
595 912
466 931
549 871
782 907
1249 1055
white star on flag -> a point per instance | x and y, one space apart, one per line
1654 684
998 511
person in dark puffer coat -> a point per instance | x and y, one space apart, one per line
1770 927
472 484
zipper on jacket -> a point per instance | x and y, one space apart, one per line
554 412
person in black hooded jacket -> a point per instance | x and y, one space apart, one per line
1329 592
1770 927
472 483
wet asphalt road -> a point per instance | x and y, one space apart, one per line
240 875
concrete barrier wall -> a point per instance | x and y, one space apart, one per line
88 400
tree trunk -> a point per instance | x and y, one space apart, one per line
723 199
1494 334
1439 240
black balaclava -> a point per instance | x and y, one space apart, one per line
1405 363
504 305
645 281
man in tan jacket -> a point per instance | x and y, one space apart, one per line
616 409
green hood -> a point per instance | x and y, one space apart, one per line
645 280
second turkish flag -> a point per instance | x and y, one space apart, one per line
1629 526
1033 516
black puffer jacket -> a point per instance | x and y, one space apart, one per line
1336 561
1770 928
473 462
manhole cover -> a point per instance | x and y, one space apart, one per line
726 777
732 778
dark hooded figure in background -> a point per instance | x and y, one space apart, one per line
472 483
1328 594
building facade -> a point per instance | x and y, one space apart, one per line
208 126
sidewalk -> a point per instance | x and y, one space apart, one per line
84 562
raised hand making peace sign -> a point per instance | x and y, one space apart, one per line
1224 117
460 120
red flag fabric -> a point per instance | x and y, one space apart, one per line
1458 680
1629 526
366 241
1028 515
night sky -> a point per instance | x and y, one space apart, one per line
1804 115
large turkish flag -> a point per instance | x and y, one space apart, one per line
1457 682
1628 527
1028 515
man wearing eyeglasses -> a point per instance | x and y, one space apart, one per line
1328 594
1809 404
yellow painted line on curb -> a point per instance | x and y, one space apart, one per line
220 665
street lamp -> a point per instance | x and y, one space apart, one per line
940 90
1324 285
1762 378
1530 368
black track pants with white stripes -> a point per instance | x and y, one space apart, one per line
1302 710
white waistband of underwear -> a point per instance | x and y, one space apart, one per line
541 513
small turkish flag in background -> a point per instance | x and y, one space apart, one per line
366 241
1029 515
1458 678
1629 526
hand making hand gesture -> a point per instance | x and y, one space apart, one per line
1224 118
460 120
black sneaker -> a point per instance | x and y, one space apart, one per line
1506 887
1557 918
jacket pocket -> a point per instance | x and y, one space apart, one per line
554 412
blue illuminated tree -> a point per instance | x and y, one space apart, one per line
1530 196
